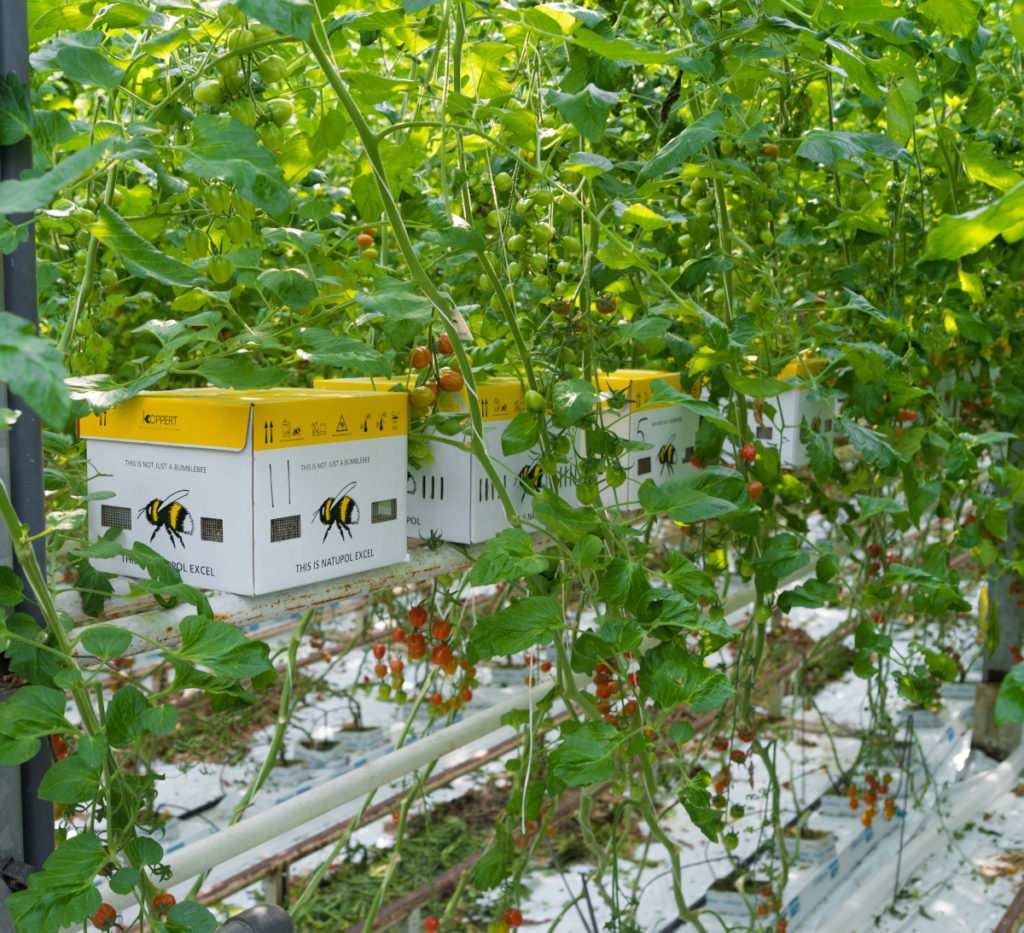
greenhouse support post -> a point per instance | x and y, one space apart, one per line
25 443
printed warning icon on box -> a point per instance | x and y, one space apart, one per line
271 499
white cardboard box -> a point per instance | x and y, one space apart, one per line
799 411
453 496
671 430
252 492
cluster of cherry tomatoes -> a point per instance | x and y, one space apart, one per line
870 795
417 640
105 918
367 243
424 397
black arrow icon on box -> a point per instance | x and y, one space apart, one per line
268 432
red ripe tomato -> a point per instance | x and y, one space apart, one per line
381 670
444 345
467 695
514 918
738 755
436 699
420 357
370 231
163 903
755 488
431 924
417 645
441 655
104 917
364 240
60 747
605 304
451 380
398 635
748 453
563 308
397 664
440 629
378 651
719 743
417 616
745 734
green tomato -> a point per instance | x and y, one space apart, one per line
273 69
566 202
544 197
588 494
217 198
523 205
571 246
240 38
562 445
244 111
535 401
538 262
542 233
261 31
767 237
238 229
209 94
243 207
515 243
272 136
230 15
503 181
615 476
197 245
515 269
227 66
482 281
281 111
564 268
220 269
540 282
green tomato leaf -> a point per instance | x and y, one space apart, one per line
343 353
105 641
292 287
778 560
140 256
960 235
34 369
404 310
71 780
871 445
507 556
671 676
79 57
955 17
92 748
811 595
830 146
222 648
561 519
11 587
533 620
684 146
190 917
623 583
573 399
522 433
240 372
14 752
223 148
124 879
143 851
678 499
15 110
33 711
587 110
585 754
288 17
124 716
1010 701
160 720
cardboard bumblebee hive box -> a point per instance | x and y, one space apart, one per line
670 430
252 492
453 496
798 412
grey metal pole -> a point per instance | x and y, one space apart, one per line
25 438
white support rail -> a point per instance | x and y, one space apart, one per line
263 827
162 625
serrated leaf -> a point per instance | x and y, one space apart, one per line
755 386
533 620
683 503
586 110
288 17
223 148
522 432
33 711
292 287
588 164
15 110
71 780
830 146
507 556
959 235
81 60
32 194
140 256
644 218
955 17
811 595
92 748
14 752
672 677
585 754
11 587
344 353
561 519
573 399
124 716
684 146
144 851
240 372
105 641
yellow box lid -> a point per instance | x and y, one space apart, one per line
636 383
501 397
219 418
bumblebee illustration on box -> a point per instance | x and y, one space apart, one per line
340 510
667 457
171 515
531 476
